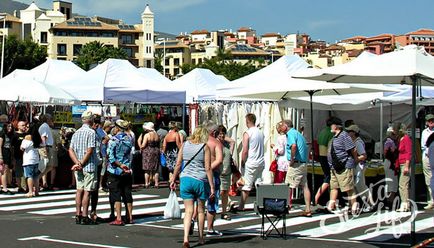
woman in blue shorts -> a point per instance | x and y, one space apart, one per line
196 179
30 147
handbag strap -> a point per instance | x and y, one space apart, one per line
191 159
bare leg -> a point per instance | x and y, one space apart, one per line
244 196
321 191
307 197
85 203
188 204
129 211
78 201
36 192
53 176
118 211
210 217
30 186
225 199
333 197
201 219
4 178
156 180
147 183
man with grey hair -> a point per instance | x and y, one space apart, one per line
297 154
46 152
216 149
83 153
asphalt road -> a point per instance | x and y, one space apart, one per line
47 221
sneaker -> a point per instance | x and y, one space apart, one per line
429 206
78 219
213 233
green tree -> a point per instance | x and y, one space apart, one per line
22 54
158 60
96 52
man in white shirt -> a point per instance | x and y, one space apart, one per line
425 160
252 158
46 151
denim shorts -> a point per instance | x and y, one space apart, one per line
31 171
193 189
213 206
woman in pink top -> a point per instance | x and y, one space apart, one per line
403 163
280 150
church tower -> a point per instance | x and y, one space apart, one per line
148 37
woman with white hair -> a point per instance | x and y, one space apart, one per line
149 143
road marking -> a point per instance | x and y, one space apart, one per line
62 203
352 223
100 207
48 239
67 191
357 242
403 228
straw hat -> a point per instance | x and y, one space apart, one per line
353 128
122 124
4 118
87 115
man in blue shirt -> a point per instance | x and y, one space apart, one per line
297 153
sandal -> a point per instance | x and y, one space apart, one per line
306 214
117 223
225 217
185 245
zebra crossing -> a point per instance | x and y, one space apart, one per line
149 208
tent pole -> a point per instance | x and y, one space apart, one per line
183 116
312 150
381 130
413 156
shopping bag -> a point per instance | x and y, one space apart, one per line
163 160
273 166
42 164
172 210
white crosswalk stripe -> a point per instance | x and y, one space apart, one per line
149 210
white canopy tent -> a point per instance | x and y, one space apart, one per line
21 86
155 75
118 81
200 84
55 72
411 65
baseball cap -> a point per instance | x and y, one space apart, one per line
353 128
336 121
429 117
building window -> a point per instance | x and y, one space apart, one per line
61 49
176 62
176 71
44 37
148 63
128 51
167 61
77 48
27 31
127 39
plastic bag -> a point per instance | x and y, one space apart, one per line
163 160
172 210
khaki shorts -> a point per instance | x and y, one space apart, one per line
251 175
51 157
343 181
86 180
296 176
225 182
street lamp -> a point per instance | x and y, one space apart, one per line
164 54
3 46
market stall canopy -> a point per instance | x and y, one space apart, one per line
56 71
21 86
200 84
155 75
390 68
118 81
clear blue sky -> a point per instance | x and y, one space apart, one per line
328 20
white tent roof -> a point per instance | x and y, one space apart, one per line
154 75
117 81
56 71
21 86
200 84
390 68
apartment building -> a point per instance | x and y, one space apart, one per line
175 54
9 26
64 34
421 37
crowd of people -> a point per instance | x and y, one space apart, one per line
101 154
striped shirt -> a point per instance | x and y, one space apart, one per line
83 139
342 144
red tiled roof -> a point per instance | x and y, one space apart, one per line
422 31
271 35
203 31
354 52
244 29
